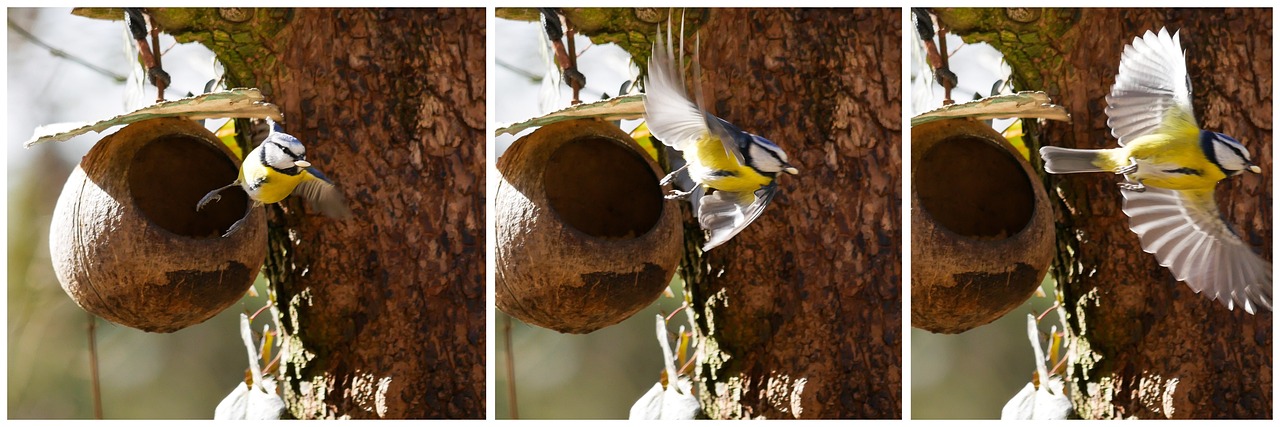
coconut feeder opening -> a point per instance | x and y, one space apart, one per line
982 231
585 238
127 242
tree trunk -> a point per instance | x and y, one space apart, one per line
1145 345
383 314
800 315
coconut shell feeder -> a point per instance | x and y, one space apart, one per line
584 236
126 241
982 235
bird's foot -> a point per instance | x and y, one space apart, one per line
213 196
235 227
1137 187
671 176
1132 167
677 194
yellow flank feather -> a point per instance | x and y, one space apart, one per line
276 186
1175 147
644 137
709 155
227 134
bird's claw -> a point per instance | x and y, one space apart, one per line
234 227
1137 187
1132 167
671 176
213 196
677 194
666 179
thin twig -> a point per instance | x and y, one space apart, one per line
536 78
573 65
677 310
511 370
260 310
1061 365
688 364
93 366
942 48
155 48
119 78
1047 311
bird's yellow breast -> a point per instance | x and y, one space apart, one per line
267 185
712 166
1169 160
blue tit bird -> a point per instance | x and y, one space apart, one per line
277 168
734 172
1171 167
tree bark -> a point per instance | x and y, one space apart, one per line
800 315
1144 345
383 314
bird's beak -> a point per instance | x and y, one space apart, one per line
1255 169
791 170
302 163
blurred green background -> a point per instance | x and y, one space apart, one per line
593 376
143 375
973 374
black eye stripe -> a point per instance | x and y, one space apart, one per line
775 155
284 149
772 152
747 156
293 170
1233 148
1209 143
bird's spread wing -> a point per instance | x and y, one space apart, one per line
733 139
723 214
1152 87
322 195
667 110
1185 232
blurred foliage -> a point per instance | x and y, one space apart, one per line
973 374
1014 135
593 376
645 138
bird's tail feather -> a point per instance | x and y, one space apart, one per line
1069 160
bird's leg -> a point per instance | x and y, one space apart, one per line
213 196
667 179
1132 167
1135 186
240 222
236 226
677 194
